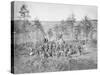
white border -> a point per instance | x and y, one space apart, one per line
5 36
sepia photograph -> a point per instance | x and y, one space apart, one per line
53 37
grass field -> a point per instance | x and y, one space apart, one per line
33 64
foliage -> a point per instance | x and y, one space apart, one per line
24 12
87 25
50 33
39 26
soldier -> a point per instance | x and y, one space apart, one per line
80 49
66 51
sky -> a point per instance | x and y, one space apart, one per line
55 12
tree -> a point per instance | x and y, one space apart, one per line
24 12
50 33
38 25
24 15
77 31
57 30
64 27
87 26
70 22
62 22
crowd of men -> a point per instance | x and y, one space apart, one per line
55 49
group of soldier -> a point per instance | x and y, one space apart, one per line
56 49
